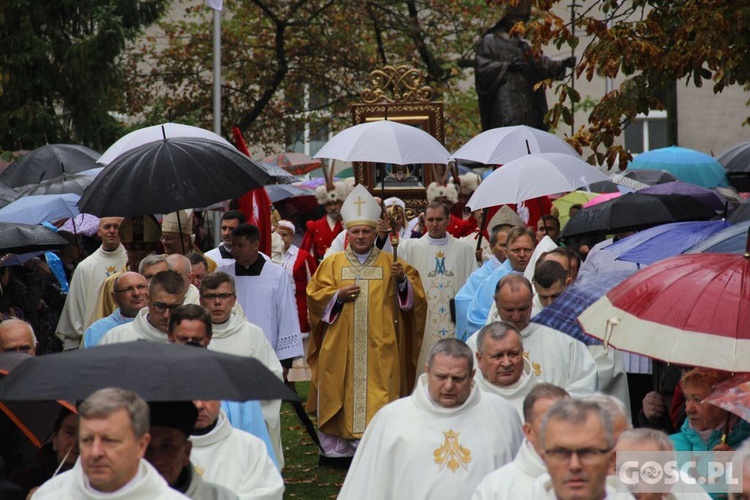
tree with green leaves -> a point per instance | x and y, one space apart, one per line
61 70
288 61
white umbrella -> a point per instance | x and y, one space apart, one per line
384 141
157 133
532 176
502 145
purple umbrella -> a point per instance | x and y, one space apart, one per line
706 196
318 181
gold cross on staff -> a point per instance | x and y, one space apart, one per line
359 204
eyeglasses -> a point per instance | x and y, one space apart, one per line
585 455
161 307
131 289
217 296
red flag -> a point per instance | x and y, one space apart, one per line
255 204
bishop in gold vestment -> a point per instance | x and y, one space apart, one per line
359 362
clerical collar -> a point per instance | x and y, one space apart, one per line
253 269
437 241
225 253
203 432
183 480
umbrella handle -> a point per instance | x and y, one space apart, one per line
611 323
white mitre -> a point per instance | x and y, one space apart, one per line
360 208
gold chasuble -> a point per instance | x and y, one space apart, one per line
358 365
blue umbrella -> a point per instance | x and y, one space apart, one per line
685 164
278 192
562 313
36 209
730 240
657 243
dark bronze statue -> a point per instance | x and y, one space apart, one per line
506 73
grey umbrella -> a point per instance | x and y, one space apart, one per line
49 162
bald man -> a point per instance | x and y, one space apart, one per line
88 277
182 265
17 335
130 295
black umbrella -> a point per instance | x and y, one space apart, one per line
154 371
66 183
7 194
172 174
635 211
25 238
741 213
49 162
650 177
737 158
35 418
278 174
280 192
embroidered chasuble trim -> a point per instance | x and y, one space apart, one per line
361 274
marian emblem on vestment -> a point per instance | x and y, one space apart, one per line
110 270
536 366
439 266
451 453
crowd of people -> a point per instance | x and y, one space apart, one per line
429 376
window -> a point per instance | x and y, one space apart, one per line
647 132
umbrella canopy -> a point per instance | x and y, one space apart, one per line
633 212
26 238
502 145
689 309
66 183
7 194
733 395
741 213
532 176
40 208
564 203
658 243
154 371
562 313
649 177
85 224
168 175
49 162
35 418
706 196
293 163
685 164
279 192
384 141
601 199
157 133
278 174
736 158
733 239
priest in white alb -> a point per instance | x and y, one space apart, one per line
503 369
515 480
555 358
441 441
444 264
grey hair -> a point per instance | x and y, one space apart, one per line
644 434
611 405
453 348
104 402
8 323
497 330
150 260
543 390
576 411
181 264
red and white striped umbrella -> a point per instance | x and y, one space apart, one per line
690 309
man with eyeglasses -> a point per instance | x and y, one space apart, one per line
130 295
503 369
577 441
166 293
516 479
233 334
17 335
